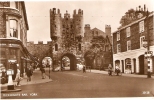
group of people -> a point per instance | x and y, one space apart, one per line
110 70
28 74
18 77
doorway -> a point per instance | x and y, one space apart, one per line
141 64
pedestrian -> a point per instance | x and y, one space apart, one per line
3 77
110 70
29 73
84 69
18 78
117 69
43 72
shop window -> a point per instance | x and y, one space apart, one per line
128 32
128 45
118 36
141 26
13 28
128 65
141 41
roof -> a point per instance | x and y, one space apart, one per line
100 31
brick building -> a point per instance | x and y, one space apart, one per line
13 36
128 50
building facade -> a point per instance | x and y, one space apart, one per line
128 48
13 36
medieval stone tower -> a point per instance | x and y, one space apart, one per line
66 33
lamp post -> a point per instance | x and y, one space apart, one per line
148 55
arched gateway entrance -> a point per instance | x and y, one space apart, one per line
72 59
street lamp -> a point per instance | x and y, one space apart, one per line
148 55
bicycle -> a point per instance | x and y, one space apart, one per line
111 72
119 72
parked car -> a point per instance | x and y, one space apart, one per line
79 66
58 69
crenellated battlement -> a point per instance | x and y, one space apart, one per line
56 12
80 12
107 26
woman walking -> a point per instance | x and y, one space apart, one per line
18 78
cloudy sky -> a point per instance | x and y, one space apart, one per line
97 13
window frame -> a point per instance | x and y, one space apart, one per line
128 33
128 43
141 26
16 28
118 48
118 35
141 41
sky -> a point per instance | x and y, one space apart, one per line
97 13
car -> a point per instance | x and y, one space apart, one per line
57 69
79 66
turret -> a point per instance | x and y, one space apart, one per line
87 34
87 27
108 30
55 24
78 21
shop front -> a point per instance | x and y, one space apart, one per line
13 53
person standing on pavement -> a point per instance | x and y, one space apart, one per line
84 69
43 71
29 73
110 70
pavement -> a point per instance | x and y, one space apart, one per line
123 74
37 78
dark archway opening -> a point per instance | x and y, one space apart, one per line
72 60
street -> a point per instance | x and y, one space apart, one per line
75 84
